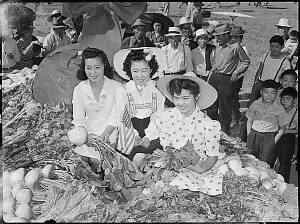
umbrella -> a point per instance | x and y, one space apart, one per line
232 15
18 14
148 18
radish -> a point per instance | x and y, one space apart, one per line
78 135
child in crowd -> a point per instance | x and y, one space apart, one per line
139 97
285 147
291 44
10 53
288 78
266 122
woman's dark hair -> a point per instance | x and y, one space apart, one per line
277 39
176 86
288 72
91 52
157 20
139 55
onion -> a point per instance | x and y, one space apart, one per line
18 220
47 171
32 178
18 175
24 196
8 216
9 205
24 211
78 135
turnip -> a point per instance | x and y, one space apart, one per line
18 176
24 211
24 196
32 178
78 135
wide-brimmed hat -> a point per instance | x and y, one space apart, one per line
184 20
221 29
54 13
121 55
201 32
138 22
207 96
58 22
173 31
237 31
284 22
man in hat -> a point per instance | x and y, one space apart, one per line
283 28
54 14
178 55
202 56
187 33
57 37
139 38
230 63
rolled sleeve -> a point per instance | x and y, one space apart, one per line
211 130
250 112
244 61
78 108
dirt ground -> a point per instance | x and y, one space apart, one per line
258 30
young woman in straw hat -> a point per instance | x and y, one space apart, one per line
186 122
139 96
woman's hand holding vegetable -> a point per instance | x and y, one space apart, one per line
145 142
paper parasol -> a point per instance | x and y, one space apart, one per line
233 15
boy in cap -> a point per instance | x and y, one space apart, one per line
266 122
284 27
202 56
285 147
139 38
230 63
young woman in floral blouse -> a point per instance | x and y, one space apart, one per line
186 121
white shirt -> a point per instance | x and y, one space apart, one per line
173 129
198 60
52 41
177 59
91 113
9 46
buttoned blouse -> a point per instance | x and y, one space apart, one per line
91 113
178 59
266 119
173 129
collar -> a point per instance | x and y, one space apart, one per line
131 86
87 88
261 102
202 49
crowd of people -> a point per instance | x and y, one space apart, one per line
178 86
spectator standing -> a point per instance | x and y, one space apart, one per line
288 78
284 27
230 63
57 37
266 122
236 34
197 15
285 147
138 39
187 33
291 48
29 47
10 53
156 36
166 9
203 55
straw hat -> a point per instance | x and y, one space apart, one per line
207 96
237 31
138 22
221 29
173 31
284 22
184 20
58 22
201 32
55 13
121 55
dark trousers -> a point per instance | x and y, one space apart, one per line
236 87
255 94
223 104
261 145
284 150
140 125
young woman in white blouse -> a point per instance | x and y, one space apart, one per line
94 96
186 122
138 66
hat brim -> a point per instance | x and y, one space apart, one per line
282 25
208 94
121 55
139 24
172 34
217 34
59 26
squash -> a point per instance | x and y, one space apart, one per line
32 178
78 135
